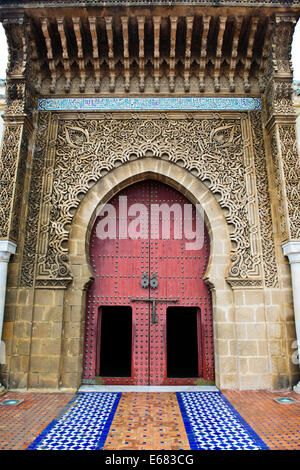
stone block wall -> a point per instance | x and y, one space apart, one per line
253 326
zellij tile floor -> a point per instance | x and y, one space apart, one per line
206 420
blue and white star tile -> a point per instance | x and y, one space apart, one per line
212 423
82 425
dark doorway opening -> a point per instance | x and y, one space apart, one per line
115 341
183 342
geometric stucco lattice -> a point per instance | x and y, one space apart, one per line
291 173
75 151
8 171
34 200
214 147
266 226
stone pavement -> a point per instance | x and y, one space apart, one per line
153 421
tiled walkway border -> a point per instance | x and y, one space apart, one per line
249 429
53 423
277 424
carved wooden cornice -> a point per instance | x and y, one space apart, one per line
146 53
143 49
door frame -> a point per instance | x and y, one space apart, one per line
150 191
189 185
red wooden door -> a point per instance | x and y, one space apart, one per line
132 272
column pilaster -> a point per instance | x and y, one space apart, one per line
292 251
283 164
17 128
7 249
280 125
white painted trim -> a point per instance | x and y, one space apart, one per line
7 248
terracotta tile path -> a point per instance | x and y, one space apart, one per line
278 425
19 425
147 421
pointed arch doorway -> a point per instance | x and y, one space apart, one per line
149 312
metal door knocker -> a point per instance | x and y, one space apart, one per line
145 280
154 281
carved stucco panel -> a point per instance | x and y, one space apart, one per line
291 172
8 170
34 201
265 215
79 151
286 167
276 161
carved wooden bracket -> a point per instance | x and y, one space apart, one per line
144 52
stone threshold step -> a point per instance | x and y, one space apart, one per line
150 388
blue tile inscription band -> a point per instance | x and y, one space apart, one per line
149 104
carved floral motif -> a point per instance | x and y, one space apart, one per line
17 47
34 199
213 148
281 128
266 227
279 188
19 184
279 98
291 172
278 74
8 169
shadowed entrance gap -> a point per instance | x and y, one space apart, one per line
116 342
182 342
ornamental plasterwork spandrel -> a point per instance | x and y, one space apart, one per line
214 147
91 56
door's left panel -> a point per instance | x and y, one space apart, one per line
117 263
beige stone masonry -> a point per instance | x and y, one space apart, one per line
253 327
